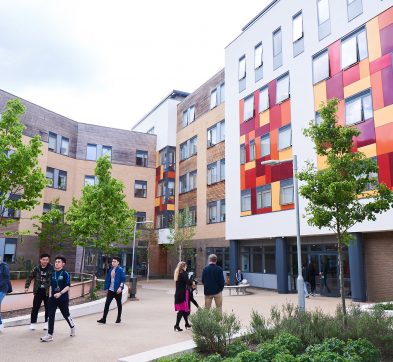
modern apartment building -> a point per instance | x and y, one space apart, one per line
287 60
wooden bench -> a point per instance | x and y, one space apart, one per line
238 288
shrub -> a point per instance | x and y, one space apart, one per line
284 357
212 331
323 357
213 358
186 357
363 349
269 350
235 348
292 343
259 330
249 356
329 345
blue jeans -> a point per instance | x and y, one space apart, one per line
2 295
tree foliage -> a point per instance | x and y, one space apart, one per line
346 191
20 173
151 236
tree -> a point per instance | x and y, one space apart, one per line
53 233
101 218
151 236
181 232
346 191
21 178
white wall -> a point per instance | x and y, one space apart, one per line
302 109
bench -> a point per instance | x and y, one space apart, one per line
238 288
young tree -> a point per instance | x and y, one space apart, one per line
181 233
21 178
101 218
346 191
150 233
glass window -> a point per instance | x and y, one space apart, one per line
193 146
107 151
9 250
323 11
252 150
297 24
277 42
183 151
91 152
62 182
222 93
193 215
212 174
246 200
284 137
270 260
354 48
64 146
242 67
193 180
248 108
282 88
185 119
358 108
90 180
222 210
212 216
140 218
320 66
140 188
258 54
265 145
318 118
141 158
50 173
256 259
222 130
286 192
52 141
222 169
213 99
191 116
212 136
183 183
263 99
242 153
245 259
171 188
264 197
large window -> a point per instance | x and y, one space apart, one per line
10 212
217 96
286 192
140 218
107 151
216 172
215 211
320 66
248 112
141 158
284 137
265 145
90 180
258 259
58 144
264 196
354 48
140 188
297 34
188 182
91 152
188 116
242 153
358 108
263 99
56 178
246 200
252 150
277 49
188 148
48 207
216 133
282 88
323 18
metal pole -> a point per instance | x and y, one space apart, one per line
133 252
300 281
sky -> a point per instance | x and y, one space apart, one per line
110 62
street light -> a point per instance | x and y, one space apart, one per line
132 278
300 281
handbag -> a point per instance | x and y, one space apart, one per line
9 287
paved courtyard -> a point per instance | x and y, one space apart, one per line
146 324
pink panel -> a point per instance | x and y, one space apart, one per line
334 57
275 117
334 87
386 35
282 172
247 127
367 133
380 63
261 131
351 75
387 85
385 165
256 103
260 169
272 93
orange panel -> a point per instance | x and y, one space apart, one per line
364 68
286 113
260 180
386 18
251 135
384 135
242 178
276 196
341 113
369 151
264 118
383 116
274 144
242 139
377 90
245 213
171 174
241 110
249 165
258 147
357 87
287 207
373 39
319 94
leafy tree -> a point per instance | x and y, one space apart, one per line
101 218
53 233
346 191
21 178
181 233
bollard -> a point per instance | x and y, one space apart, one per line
133 281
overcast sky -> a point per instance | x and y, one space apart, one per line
110 62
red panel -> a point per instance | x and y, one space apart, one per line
272 93
287 207
380 63
334 87
385 171
286 112
282 172
260 169
261 131
265 210
351 75
268 174
387 86
256 104
386 35
334 58
275 117
384 136
171 174
247 127
367 133
250 178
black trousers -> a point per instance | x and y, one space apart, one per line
63 306
109 297
37 301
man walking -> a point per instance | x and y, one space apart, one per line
60 283
5 285
114 284
41 274
213 281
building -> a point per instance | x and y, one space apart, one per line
288 59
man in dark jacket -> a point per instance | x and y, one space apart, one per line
4 285
41 274
213 281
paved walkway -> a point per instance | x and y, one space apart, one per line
146 324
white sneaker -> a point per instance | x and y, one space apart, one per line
72 331
45 326
1 327
33 326
47 338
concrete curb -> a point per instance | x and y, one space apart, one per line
80 310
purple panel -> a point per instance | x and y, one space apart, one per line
380 63
260 169
334 87
367 133
387 39
387 86
272 93
282 172
247 127
261 131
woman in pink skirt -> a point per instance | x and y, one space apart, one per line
182 302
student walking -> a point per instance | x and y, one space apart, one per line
213 282
114 284
182 295
41 274
60 283
5 285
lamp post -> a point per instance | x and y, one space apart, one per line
132 278
300 281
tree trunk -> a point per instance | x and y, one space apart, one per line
148 262
342 289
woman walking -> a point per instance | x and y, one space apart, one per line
182 295
5 285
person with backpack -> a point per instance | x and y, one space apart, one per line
5 285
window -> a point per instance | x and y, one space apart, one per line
140 188
50 176
373 177
140 218
193 215
213 98
188 116
248 111
354 48
56 178
286 192
90 180
64 146
183 151
91 152
222 92
297 34
188 181
282 88
318 118
10 211
215 211
183 183
258 61
216 133
58 144
188 148
242 153
277 49
193 146
52 141
252 150
355 8
171 188
246 200
323 19
320 66
216 172
193 180
263 99
265 145
9 250
256 259
222 169
217 96
107 151
151 131
242 67
62 180
358 108
284 137
264 197
141 158
222 210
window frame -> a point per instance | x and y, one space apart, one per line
359 96
264 137
142 183
252 114
280 79
359 57
283 129
284 185
245 194
316 57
